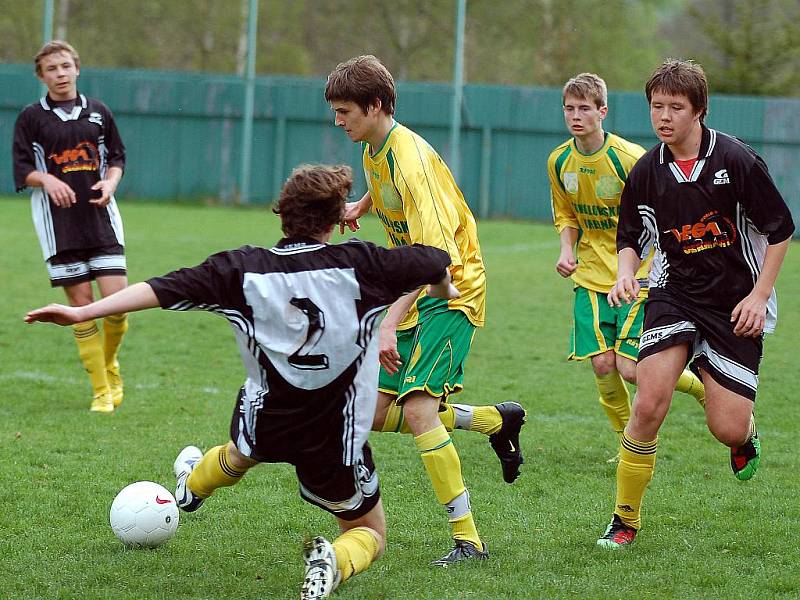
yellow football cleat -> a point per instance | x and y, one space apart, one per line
102 403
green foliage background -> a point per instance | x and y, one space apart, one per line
749 46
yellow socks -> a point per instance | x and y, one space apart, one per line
444 470
355 550
637 462
689 383
90 349
114 327
483 419
213 471
615 399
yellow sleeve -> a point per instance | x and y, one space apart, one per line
426 188
563 215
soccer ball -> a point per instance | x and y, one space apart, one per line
144 514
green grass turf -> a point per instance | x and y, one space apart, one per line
705 535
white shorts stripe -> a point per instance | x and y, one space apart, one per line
655 335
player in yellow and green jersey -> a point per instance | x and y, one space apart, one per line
424 342
587 174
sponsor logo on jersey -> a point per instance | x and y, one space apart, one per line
571 182
721 177
395 228
390 198
608 187
587 170
713 230
96 118
83 157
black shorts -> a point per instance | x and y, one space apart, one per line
76 266
346 491
730 359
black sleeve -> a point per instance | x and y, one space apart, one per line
22 151
114 145
407 268
762 201
216 283
630 226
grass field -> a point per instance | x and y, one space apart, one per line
705 533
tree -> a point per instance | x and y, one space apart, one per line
746 46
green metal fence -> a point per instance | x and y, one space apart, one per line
183 133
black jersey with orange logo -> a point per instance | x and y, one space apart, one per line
76 144
710 228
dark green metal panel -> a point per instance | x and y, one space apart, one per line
183 133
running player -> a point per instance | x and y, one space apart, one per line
424 341
67 148
304 313
587 175
721 229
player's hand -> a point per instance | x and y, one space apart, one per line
625 290
444 289
566 264
353 211
59 192
107 190
55 313
750 315
388 355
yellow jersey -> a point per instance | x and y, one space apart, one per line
585 191
415 197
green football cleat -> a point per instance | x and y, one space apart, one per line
746 458
617 535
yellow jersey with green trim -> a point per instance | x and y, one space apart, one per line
585 192
417 200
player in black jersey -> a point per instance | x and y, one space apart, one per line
305 314
67 149
721 229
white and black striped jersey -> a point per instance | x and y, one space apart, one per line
304 314
710 229
77 146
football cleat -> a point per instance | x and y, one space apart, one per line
183 467
114 383
505 442
617 535
102 403
746 458
462 550
322 576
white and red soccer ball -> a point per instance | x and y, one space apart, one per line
144 514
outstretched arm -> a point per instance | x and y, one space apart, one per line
139 296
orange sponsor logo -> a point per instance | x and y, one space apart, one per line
83 157
712 231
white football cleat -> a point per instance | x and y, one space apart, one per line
182 467
322 575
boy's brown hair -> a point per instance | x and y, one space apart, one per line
587 86
680 78
312 199
362 80
53 47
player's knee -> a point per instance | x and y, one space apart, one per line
604 364
729 433
648 411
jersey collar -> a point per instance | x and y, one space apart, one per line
374 155
81 103
295 244
707 144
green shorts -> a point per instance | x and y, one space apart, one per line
433 353
597 327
